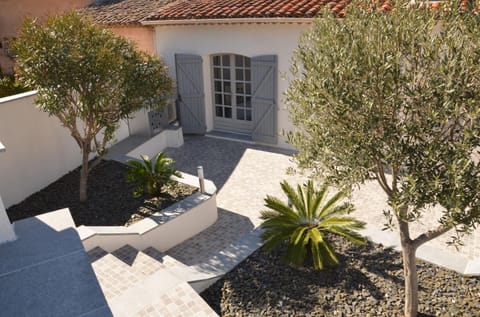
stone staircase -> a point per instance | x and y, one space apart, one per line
144 283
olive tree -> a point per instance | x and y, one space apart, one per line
89 79
394 97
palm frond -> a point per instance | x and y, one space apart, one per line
329 256
331 202
293 196
150 176
347 222
348 234
279 206
319 197
301 226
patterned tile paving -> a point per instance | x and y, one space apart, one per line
182 301
228 228
140 264
114 276
127 267
245 173
166 260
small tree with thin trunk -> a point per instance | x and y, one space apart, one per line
395 97
88 78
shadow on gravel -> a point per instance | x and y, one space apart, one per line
382 262
274 286
110 200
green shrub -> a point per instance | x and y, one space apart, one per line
150 176
302 224
9 86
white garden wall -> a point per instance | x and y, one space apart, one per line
244 39
163 230
38 149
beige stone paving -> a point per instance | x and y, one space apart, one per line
250 173
257 174
245 174
370 201
118 271
114 276
127 267
182 301
228 228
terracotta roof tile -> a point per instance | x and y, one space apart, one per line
122 12
214 9
127 12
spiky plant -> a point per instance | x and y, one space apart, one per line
150 176
303 222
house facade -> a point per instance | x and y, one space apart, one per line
229 75
231 60
227 58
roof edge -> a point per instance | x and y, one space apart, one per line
229 21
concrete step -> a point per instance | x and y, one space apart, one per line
114 276
141 283
167 260
45 272
202 275
126 267
161 294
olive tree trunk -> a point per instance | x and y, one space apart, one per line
411 280
84 174
409 249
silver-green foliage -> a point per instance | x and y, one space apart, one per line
398 93
302 226
150 176
88 78
394 97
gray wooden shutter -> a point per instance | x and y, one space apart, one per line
264 94
191 96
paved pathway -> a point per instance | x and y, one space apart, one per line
246 173
243 173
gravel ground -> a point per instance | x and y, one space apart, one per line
369 282
110 201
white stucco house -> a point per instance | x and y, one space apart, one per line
227 57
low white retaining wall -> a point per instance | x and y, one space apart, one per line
171 137
163 230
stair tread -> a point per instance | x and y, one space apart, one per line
125 267
179 301
114 276
165 259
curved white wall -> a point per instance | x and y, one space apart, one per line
244 39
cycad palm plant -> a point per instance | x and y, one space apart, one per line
150 176
302 222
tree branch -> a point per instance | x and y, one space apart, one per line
430 235
380 173
395 181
